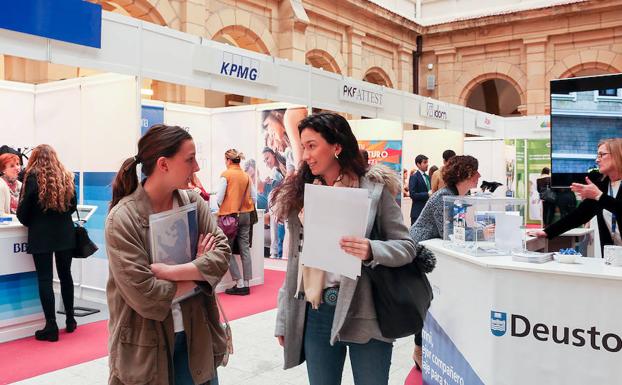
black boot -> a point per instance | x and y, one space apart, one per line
48 333
71 325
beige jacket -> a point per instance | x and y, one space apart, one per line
141 334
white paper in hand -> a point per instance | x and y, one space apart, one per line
330 214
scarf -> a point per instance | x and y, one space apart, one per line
311 277
14 191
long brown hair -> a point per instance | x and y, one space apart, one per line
55 183
159 141
288 197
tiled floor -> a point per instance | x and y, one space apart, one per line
257 360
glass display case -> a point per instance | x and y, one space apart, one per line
484 225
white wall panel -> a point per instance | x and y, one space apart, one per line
110 122
198 122
17 114
237 130
57 117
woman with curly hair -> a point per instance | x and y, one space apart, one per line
460 175
321 315
45 207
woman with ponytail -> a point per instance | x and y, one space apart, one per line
154 337
45 207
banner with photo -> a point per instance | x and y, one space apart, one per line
279 155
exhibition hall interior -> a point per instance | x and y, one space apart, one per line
287 192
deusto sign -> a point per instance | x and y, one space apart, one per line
434 110
360 94
234 65
521 326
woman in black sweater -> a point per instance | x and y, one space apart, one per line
47 200
601 195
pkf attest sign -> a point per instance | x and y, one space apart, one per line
234 65
434 110
356 93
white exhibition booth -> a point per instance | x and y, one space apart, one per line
496 321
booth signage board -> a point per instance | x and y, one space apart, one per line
484 121
234 65
360 94
72 21
434 110
494 338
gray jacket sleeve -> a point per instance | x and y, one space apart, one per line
280 315
399 248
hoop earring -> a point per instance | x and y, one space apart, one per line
336 156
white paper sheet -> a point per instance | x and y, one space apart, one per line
508 233
330 214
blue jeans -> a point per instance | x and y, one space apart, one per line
370 361
181 365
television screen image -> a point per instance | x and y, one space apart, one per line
584 111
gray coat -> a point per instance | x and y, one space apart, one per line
355 316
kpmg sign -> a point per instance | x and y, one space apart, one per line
434 110
358 94
71 21
233 65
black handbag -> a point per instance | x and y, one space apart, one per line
548 196
85 247
402 296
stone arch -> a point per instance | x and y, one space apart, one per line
380 66
158 12
606 61
247 30
466 83
321 59
378 76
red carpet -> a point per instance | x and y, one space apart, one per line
414 377
28 357
262 297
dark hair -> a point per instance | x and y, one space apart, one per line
458 169
546 171
420 158
289 196
280 159
159 141
448 154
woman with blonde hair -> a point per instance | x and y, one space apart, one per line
237 198
601 197
47 201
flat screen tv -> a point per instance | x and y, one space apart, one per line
584 111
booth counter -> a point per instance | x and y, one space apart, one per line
494 321
20 308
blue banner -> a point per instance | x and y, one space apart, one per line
72 21
149 116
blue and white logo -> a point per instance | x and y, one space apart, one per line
498 323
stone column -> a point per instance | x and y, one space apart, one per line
292 27
445 75
535 70
405 68
355 52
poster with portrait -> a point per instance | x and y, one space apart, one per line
279 155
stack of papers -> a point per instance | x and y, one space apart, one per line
531 257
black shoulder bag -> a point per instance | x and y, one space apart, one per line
402 295
85 247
